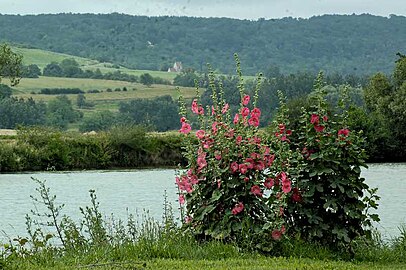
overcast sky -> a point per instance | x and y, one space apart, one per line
243 9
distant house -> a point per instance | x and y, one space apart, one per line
177 67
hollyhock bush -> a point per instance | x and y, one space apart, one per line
232 196
330 200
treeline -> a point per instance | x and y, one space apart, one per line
333 43
121 147
70 68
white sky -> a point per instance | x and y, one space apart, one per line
243 9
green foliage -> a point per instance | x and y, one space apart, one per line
160 113
121 147
330 204
386 100
318 43
5 91
186 78
15 112
10 64
146 79
61 113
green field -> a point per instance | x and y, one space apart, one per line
103 100
41 58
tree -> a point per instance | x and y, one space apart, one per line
5 91
146 79
31 71
10 64
61 112
53 70
70 68
186 78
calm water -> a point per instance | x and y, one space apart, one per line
123 192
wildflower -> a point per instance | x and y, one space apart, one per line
253 121
225 108
256 112
256 190
246 100
314 119
200 110
238 139
276 235
234 167
325 118
344 132
181 199
243 168
296 196
238 208
245 112
286 187
182 119
185 129
269 182
236 118
318 128
195 107
200 134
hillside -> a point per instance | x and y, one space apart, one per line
335 43
41 58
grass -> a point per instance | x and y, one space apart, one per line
42 58
135 90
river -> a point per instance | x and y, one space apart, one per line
137 191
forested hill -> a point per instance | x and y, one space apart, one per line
334 43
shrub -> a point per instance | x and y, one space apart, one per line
230 187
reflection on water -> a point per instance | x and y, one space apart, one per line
124 192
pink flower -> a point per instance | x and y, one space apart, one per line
296 196
343 132
236 118
201 161
188 219
225 108
325 118
245 112
314 119
238 208
318 128
185 129
208 143
238 139
230 133
256 113
250 162
259 165
276 235
218 183
200 110
214 127
200 134
281 128
246 179
269 183
246 100
253 121
286 187
181 199
243 168
183 120
195 108
256 190
234 167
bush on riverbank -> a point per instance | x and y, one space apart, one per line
121 147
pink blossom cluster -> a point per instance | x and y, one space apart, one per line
314 119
